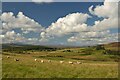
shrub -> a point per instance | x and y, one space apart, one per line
100 47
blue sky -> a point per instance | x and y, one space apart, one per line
47 13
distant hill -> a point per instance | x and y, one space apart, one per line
39 47
113 44
24 47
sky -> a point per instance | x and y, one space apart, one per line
48 11
59 23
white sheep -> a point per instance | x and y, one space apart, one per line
35 59
79 62
16 59
70 62
61 62
1 58
42 61
8 56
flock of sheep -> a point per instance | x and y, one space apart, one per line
70 62
42 61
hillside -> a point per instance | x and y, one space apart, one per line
23 47
50 47
94 62
114 44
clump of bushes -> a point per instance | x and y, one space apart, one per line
67 51
111 52
100 47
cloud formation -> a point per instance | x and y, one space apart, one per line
11 37
75 22
73 26
21 22
108 11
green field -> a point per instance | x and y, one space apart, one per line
95 63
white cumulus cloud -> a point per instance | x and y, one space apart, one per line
75 22
109 12
20 21
10 23
75 25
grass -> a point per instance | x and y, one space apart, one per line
31 69
94 65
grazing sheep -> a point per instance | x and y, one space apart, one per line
35 59
79 62
70 62
8 56
1 58
49 60
16 59
61 62
42 61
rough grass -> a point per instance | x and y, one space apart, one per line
28 68
95 64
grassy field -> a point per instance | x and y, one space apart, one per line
95 64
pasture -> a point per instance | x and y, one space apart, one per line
94 64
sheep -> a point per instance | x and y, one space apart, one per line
8 56
35 59
49 60
70 62
1 58
16 59
42 61
79 62
61 62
